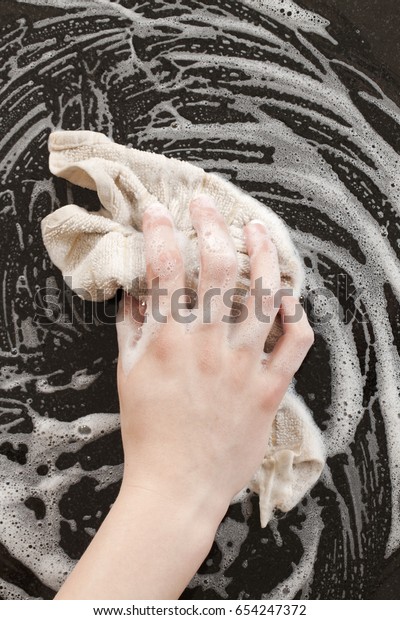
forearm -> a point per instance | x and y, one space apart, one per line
148 547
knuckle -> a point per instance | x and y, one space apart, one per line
171 255
239 371
220 267
266 246
267 305
167 262
208 363
258 251
166 344
271 394
281 369
207 212
228 262
206 222
305 336
270 298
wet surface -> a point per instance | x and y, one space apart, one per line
302 115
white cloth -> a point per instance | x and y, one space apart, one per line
103 251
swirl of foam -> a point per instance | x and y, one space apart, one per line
242 89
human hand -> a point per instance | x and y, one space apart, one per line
197 404
198 399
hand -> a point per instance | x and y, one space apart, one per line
197 404
198 399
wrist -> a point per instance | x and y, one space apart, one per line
194 507
180 528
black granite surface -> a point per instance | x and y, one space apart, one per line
92 79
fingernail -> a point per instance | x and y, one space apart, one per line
157 211
202 201
258 223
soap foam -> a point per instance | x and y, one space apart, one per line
351 226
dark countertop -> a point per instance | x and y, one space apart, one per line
339 542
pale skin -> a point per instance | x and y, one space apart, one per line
197 404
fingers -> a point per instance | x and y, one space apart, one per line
260 309
218 261
164 263
290 350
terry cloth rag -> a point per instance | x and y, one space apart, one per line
102 251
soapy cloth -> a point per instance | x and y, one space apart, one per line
102 251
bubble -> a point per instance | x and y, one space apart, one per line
84 430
